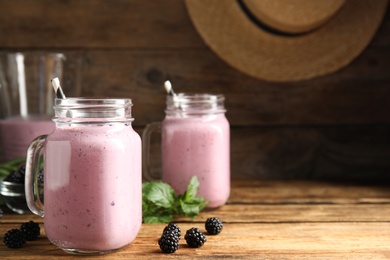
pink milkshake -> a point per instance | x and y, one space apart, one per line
16 134
198 146
92 187
92 178
195 141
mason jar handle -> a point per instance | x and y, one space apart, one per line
31 185
146 136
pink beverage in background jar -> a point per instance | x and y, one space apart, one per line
92 177
195 141
27 97
16 133
197 146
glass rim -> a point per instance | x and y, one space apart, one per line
74 102
81 110
196 97
201 103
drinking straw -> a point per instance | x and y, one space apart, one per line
168 88
57 88
21 84
6 105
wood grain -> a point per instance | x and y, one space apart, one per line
356 95
334 126
319 220
359 153
279 213
245 241
299 153
96 24
278 192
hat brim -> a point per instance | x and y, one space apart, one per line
228 31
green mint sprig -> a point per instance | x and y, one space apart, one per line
160 202
12 165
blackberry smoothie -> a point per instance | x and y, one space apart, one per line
16 133
195 141
92 178
92 187
197 146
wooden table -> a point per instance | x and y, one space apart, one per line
263 220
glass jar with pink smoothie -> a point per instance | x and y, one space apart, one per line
26 96
195 141
92 176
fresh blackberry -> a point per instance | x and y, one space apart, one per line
22 169
16 176
31 230
14 238
213 226
195 238
173 228
40 177
168 242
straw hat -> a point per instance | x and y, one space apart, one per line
287 40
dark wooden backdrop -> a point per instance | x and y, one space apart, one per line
337 126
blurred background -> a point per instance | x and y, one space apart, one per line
331 127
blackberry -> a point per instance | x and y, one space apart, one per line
168 242
31 230
22 169
40 177
213 226
173 228
14 238
195 238
17 176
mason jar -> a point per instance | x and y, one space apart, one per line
195 141
92 176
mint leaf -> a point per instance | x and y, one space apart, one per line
146 187
162 195
192 188
193 206
165 218
12 165
160 203
190 209
190 204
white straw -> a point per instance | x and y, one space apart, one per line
22 85
57 88
168 88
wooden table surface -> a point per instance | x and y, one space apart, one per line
263 220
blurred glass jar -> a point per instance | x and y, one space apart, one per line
14 196
26 96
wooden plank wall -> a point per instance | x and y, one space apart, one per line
337 126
